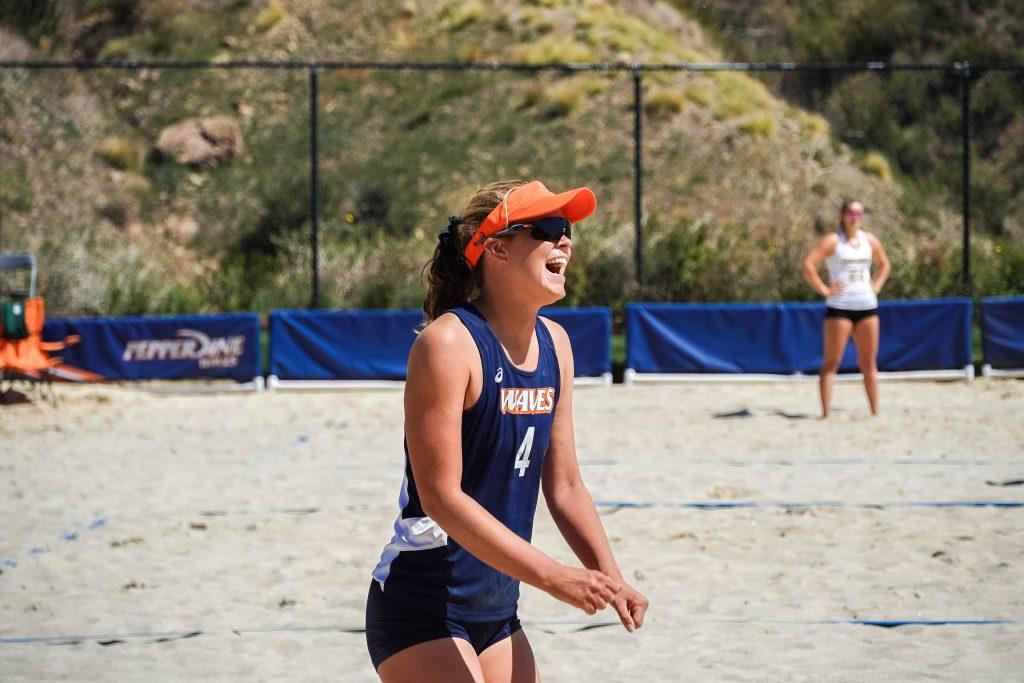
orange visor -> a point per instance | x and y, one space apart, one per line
531 200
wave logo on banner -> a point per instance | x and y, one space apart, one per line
210 352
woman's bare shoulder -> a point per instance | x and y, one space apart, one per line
444 337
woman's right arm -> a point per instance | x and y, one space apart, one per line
435 393
825 248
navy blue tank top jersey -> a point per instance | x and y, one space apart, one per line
505 435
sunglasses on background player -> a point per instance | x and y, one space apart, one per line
548 229
854 214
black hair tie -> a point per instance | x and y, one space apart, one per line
450 235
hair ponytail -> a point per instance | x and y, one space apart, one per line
449 279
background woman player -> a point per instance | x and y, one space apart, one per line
850 298
488 421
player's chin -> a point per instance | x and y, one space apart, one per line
553 283
554 287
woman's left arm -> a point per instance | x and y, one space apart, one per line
570 503
879 256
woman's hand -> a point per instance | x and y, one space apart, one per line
587 589
832 290
631 606
876 287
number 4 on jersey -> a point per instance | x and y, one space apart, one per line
523 454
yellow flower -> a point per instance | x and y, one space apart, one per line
350 218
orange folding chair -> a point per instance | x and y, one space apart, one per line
23 353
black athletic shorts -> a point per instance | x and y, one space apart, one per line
391 627
852 316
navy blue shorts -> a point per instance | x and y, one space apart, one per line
391 627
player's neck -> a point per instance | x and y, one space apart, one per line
512 322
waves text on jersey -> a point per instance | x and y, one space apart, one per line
527 400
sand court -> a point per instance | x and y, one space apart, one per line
170 537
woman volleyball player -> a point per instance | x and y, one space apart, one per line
851 299
488 422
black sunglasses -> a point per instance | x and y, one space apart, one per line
548 229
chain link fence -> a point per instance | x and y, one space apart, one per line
189 186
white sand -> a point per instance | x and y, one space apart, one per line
736 594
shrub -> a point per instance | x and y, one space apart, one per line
877 165
268 17
118 48
680 259
738 95
601 272
459 15
554 50
530 95
536 20
564 99
812 124
594 86
122 153
619 31
115 211
998 268
15 188
699 93
664 101
759 124
921 267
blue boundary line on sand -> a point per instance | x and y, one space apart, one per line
101 638
167 636
806 462
787 505
881 623
66 537
730 462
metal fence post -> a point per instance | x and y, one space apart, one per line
638 173
314 168
965 123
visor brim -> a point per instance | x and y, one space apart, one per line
573 204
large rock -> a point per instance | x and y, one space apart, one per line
204 142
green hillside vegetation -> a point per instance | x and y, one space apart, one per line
739 182
913 119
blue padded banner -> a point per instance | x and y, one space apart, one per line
706 338
351 345
786 338
1002 331
173 347
590 333
342 344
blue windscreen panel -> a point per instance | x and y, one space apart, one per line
590 334
375 345
715 338
786 338
1002 331
342 345
172 347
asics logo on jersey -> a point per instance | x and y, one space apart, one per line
499 376
527 401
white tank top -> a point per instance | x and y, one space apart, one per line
851 265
